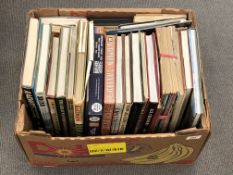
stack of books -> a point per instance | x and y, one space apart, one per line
81 78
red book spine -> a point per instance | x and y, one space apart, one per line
109 83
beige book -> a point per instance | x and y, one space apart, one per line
171 73
119 105
80 72
154 17
127 88
30 54
183 76
70 79
142 117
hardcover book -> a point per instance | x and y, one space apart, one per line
109 83
95 90
28 73
41 76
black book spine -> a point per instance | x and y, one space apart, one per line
133 117
151 111
32 109
94 107
45 114
62 115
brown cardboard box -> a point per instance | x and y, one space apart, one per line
42 149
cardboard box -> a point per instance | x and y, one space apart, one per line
181 147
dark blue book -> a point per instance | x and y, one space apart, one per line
95 90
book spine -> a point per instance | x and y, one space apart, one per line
54 115
32 109
124 118
95 89
79 113
107 118
70 111
109 83
62 114
153 126
44 109
151 111
133 117
92 125
142 118
116 118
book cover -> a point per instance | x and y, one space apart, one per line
153 78
109 83
41 77
137 84
51 85
62 77
95 90
143 54
127 84
119 105
70 73
29 69
61 106
80 75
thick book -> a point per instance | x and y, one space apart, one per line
52 79
70 79
143 115
80 75
119 105
172 78
95 90
137 86
195 106
153 78
28 71
60 99
184 93
183 45
109 83
127 84
41 77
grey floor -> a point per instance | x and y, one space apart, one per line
215 19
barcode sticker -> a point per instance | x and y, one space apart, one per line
193 137
106 148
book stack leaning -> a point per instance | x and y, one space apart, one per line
84 79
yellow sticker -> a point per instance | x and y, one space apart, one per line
106 148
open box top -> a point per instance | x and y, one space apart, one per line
41 148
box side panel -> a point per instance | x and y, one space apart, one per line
43 150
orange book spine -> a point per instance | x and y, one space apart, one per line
109 83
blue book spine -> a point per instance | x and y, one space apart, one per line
94 107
